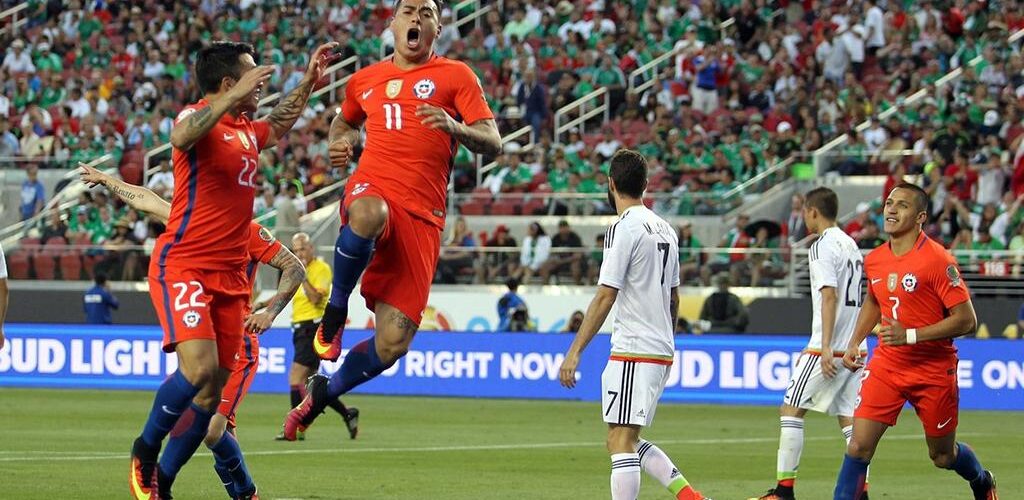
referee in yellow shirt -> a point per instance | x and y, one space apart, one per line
307 309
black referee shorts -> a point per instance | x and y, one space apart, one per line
302 340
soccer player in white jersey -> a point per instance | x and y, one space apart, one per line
819 383
639 280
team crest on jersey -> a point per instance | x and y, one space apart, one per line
190 318
892 281
424 89
393 88
244 138
909 282
265 235
954 275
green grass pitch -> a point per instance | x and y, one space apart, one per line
74 444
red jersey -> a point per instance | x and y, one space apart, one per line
409 162
262 248
214 185
917 289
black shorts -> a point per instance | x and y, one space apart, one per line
302 340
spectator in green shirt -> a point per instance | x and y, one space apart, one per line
519 26
689 253
48 61
558 177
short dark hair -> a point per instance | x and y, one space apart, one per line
219 60
629 172
825 201
100 278
920 196
512 284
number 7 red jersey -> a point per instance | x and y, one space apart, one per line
407 161
214 185
917 289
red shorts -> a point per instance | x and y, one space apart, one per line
931 389
404 259
201 304
241 377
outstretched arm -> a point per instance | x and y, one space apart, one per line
292 275
137 197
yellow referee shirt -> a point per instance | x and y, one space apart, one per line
318 273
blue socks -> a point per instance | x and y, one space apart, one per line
852 475
171 401
228 460
187 437
351 255
361 364
966 463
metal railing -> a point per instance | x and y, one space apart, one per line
482 169
580 119
16 21
329 88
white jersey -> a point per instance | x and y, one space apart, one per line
641 261
835 261
3 264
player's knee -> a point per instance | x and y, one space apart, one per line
389 353
213 436
942 459
859 450
367 216
200 375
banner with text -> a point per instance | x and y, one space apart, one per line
707 369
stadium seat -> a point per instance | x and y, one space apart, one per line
472 207
71 265
19 265
45 266
505 207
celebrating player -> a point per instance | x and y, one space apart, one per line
394 209
916 291
640 281
228 461
818 383
196 278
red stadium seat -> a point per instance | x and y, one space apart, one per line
536 206
45 266
19 265
472 207
71 265
505 207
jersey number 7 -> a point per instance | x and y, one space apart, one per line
663 248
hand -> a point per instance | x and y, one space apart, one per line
259 323
828 363
91 176
249 82
567 373
893 333
320 60
852 360
437 119
341 152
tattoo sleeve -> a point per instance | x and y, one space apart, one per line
480 137
284 115
403 322
341 129
292 275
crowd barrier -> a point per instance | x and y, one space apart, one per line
727 369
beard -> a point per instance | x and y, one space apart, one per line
611 199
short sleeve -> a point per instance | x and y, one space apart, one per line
262 130
187 111
673 269
823 267
263 247
321 277
470 101
948 283
618 252
351 110
3 264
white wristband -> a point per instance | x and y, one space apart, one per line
912 336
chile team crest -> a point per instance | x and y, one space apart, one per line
424 88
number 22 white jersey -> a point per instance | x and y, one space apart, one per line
641 261
835 261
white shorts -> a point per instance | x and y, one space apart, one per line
630 391
810 390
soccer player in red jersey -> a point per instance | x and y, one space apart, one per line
196 278
416 108
915 290
262 248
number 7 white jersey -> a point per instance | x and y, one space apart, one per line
641 261
835 261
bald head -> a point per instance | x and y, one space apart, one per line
302 247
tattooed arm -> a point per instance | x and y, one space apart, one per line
137 197
480 137
284 115
292 275
191 128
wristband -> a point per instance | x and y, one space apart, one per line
912 336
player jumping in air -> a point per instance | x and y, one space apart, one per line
818 382
262 248
639 279
416 108
915 290
197 275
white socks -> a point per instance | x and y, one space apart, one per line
625 476
791 445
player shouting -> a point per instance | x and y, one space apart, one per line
416 108
915 289
818 382
639 278
196 278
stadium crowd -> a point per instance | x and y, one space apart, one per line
752 82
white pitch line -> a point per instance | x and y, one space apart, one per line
430 449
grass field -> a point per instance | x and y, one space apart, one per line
74 444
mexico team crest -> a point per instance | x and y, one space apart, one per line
242 136
393 88
909 282
424 88
893 280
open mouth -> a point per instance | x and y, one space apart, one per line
412 38
890 219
